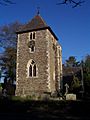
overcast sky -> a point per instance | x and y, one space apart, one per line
71 25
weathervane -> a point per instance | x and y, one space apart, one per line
38 10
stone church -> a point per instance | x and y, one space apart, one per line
39 59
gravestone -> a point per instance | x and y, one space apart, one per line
71 97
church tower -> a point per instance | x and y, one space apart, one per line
39 59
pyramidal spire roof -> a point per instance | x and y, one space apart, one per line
37 23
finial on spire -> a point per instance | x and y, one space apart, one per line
38 10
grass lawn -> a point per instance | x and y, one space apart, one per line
35 110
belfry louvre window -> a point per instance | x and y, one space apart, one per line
32 69
32 35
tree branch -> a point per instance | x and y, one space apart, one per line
6 2
9 1
72 2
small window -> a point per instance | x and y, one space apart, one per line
31 43
32 48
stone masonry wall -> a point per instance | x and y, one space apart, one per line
55 62
45 57
27 86
51 41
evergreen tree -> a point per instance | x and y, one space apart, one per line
86 70
71 62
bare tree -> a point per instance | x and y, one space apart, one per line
73 3
8 38
6 2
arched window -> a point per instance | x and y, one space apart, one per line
32 69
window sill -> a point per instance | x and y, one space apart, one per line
32 77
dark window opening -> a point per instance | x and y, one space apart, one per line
33 35
31 45
30 71
32 62
34 70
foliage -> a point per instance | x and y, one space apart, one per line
8 38
6 2
81 71
0 86
8 41
75 85
87 63
87 82
0 73
86 70
8 63
17 98
71 62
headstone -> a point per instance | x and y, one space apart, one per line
71 97
4 93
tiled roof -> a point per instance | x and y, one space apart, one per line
37 23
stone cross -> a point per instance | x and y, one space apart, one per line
4 93
67 86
